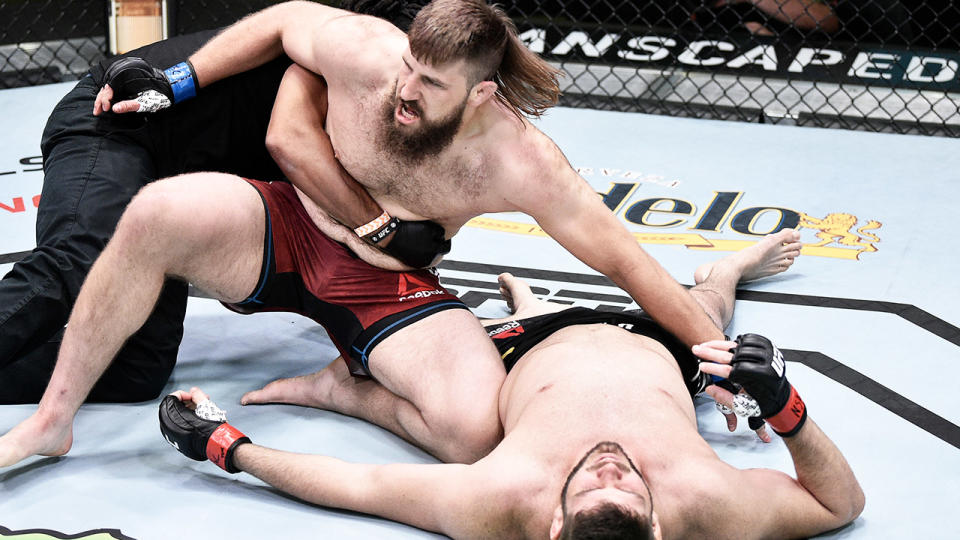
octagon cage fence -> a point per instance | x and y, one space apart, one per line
879 65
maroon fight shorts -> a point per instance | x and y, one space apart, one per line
306 272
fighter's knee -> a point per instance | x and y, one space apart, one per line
469 436
161 207
149 210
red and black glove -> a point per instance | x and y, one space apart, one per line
759 368
197 438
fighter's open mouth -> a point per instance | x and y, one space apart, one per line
406 114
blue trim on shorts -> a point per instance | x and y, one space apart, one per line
267 256
373 340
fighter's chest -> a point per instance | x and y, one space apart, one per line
447 184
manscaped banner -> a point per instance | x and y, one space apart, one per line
751 55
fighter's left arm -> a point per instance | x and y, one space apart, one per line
453 499
573 213
298 142
824 496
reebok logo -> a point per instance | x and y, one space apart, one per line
408 284
410 287
173 444
510 329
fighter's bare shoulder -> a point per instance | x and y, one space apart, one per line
354 44
539 168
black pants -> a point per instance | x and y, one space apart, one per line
93 166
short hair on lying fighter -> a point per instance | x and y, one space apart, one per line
608 521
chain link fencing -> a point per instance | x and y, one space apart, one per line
47 41
881 65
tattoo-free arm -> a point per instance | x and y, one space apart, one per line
298 143
296 28
824 496
433 497
571 212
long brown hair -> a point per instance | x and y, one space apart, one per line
485 37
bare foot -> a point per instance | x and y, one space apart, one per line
773 254
313 390
35 436
521 300
512 290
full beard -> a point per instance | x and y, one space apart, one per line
431 138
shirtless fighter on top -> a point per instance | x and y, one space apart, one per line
433 127
600 438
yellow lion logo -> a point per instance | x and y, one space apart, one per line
838 228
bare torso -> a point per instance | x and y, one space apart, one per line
558 402
449 188
466 179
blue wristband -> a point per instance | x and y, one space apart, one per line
181 81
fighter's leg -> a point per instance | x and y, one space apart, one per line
437 384
447 375
205 228
716 282
319 389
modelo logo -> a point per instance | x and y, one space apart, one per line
837 235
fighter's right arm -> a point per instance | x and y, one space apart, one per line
770 504
310 33
436 497
295 28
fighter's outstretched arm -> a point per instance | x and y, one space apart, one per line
570 211
320 38
446 498
431 496
825 494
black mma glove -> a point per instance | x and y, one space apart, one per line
134 78
759 368
414 243
418 243
197 438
